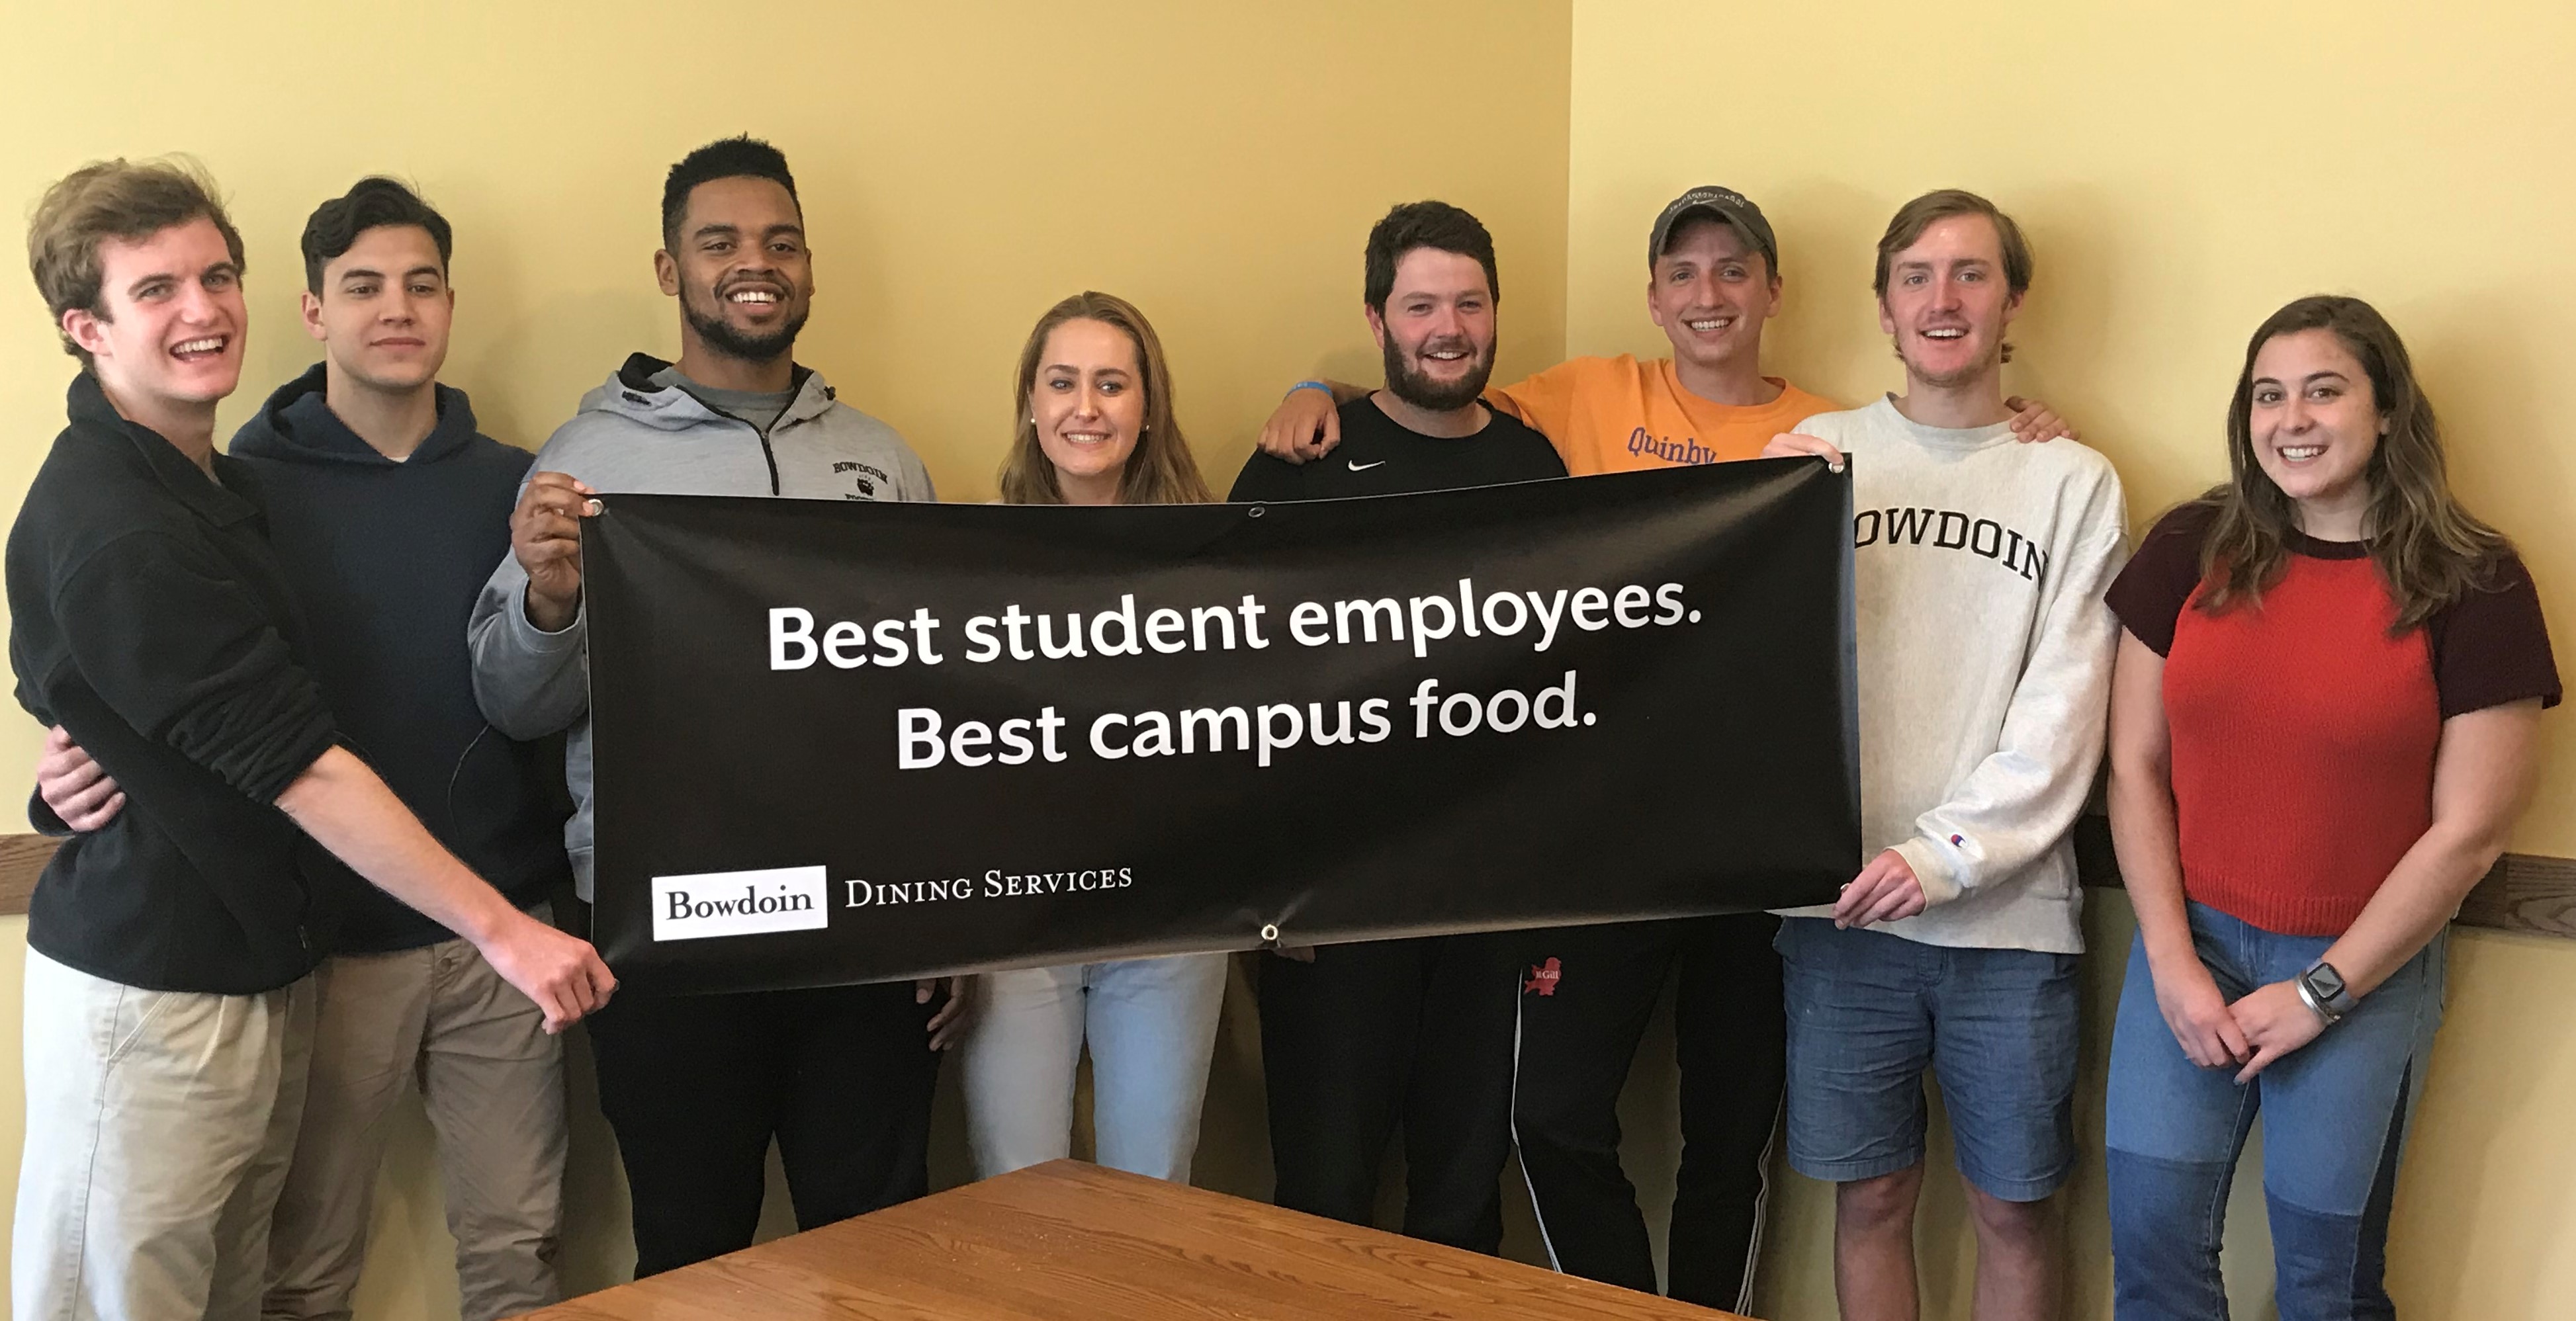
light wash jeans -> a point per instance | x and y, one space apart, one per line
1151 1025
2334 1121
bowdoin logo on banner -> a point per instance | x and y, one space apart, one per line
738 903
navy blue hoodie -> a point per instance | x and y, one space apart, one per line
385 558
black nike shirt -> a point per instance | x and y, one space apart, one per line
1378 456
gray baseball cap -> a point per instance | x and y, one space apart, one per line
1724 204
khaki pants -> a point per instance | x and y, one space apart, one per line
159 1125
493 1083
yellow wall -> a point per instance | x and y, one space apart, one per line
2183 169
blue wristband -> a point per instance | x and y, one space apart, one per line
1309 385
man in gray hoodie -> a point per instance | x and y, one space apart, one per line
698 1086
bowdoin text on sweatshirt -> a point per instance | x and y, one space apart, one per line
1985 666
635 436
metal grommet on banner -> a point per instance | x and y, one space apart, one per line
1270 932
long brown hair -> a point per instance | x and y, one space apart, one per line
1161 470
2428 548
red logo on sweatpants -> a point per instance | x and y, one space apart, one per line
1543 978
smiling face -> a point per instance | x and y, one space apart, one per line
1436 332
1711 291
1089 405
168 331
384 309
740 268
2315 424
1948 302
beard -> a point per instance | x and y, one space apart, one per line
720 335
1406 382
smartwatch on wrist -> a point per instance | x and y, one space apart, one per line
2323 990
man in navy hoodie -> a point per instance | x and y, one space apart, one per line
387 511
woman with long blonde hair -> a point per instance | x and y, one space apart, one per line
1095 418
1095 427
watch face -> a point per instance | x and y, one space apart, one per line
2326 982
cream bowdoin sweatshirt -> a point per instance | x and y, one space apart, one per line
1985 666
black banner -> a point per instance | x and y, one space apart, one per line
848 742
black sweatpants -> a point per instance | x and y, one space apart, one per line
1414 1033
1586 995
696 1086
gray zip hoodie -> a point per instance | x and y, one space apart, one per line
633 436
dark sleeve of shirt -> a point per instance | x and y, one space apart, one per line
1265 478
184 653
2149 594
2491 646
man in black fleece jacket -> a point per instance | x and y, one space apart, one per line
385 511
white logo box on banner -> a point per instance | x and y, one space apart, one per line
739 903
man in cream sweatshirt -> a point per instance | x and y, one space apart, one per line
1985 666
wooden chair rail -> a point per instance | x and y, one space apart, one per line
2524 892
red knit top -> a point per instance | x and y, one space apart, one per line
2304 734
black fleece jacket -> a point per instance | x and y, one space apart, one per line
385 558
149 618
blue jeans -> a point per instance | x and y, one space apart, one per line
1151 1025
1869 1012
2336 1113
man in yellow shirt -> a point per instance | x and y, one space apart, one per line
1714 280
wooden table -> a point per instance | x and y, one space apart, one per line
1069 1240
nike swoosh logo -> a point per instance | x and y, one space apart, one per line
1357 466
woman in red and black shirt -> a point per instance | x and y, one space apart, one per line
2325 719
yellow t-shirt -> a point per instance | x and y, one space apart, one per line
1620 415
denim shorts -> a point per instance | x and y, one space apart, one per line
1869 1012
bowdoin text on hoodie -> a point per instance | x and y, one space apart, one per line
385 559
639 436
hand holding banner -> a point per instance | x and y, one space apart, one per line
859 742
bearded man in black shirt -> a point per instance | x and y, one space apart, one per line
1432 295
1360 1039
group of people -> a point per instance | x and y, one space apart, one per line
305 697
